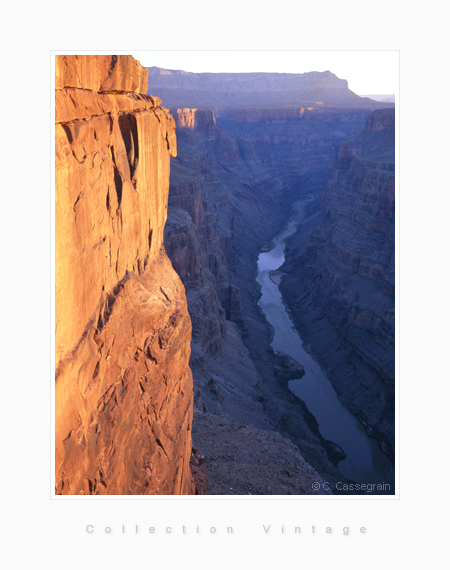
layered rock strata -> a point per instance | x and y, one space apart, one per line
221 90
339 276
202 119
299 143
123 389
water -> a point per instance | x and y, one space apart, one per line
365 462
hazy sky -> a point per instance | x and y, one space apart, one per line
367 72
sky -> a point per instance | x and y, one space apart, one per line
367 72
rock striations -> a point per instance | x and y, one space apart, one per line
193 119
123 395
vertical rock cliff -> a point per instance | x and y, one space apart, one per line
123 391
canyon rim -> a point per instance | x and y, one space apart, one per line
184 203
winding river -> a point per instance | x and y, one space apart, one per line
364 462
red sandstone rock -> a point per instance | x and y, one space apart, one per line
194 119
123 384
101 73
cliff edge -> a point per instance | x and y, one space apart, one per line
123 392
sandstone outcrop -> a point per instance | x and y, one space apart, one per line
194 118
123 390
99 73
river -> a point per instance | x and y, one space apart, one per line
365 462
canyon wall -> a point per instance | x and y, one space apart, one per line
299 143
123 392
219 91
339 276
225 203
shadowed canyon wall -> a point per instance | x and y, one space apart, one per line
230 192
123 389
339 276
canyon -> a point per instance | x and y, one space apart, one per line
238 178
169 186
343 261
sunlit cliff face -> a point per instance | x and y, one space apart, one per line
123 389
